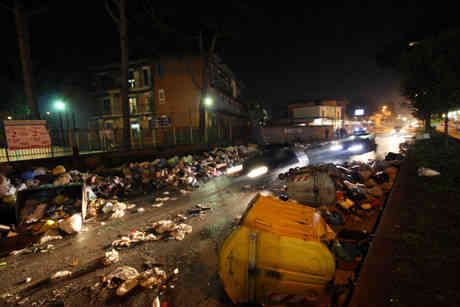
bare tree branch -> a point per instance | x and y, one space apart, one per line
38 11
109 11
6 7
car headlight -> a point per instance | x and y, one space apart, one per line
258 171
356 147
234 169
336 147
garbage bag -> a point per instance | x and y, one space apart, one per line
173 161
391 156
40 171
28 175
58 170
423 171
333 218
71 224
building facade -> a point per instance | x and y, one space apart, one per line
165 93
324 112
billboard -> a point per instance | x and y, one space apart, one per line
359 112
26 134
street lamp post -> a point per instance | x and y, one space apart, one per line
208 102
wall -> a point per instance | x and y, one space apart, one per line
290 134
182 96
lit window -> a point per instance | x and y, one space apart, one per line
131 79
132 105
161 96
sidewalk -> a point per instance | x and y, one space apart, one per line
452 132
413 260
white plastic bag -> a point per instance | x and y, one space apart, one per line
423 171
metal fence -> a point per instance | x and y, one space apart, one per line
67 142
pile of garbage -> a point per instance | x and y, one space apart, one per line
181 172
351 185
125 278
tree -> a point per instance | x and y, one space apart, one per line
431 76
213 25
22 31
123 25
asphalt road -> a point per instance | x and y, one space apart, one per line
196 256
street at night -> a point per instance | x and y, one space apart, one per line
196 256
205 154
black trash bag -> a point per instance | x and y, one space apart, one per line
391 156
381 178
333 218
345 251
284 197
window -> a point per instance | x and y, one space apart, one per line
161 96
106 106
131 79
132 105
160 70
146 73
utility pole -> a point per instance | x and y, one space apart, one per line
24 48
124 75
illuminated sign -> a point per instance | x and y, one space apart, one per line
359 112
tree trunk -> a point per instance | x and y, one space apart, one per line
24 48
446 131
124 76
204 94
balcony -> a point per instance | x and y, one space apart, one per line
133 110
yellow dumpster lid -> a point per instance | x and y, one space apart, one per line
285 218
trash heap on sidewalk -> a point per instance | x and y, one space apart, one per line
348 189
105 190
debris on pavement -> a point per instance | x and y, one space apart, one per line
156 302
61 274
423 171
111 257
71 224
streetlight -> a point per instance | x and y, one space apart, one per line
60 105
208 101
48 113
10 118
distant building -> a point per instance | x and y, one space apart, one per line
322 112
165 92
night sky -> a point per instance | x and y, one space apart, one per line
280 52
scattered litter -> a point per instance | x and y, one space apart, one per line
176 231
61 274
122 273
158 205
140 210
71 224
134 237
127 286
111 257
423 171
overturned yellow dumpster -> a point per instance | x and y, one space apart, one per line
277 254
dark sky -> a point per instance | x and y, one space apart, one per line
281 52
